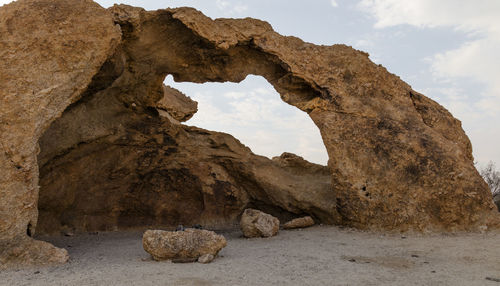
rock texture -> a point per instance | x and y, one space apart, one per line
49 53
301 222
190 244
121 168
398 160
255 223
176 105
86 85
496 200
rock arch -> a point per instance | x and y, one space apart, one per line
398 160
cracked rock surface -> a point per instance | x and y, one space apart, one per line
82 88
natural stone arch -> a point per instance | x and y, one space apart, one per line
398 160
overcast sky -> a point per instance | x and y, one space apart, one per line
448 49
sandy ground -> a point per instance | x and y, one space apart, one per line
319 255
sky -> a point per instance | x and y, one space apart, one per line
447 50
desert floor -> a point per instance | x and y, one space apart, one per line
321 255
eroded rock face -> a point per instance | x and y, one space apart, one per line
145 171
398 160
255 223
190 244
49 53
176 105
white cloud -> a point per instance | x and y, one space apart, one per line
334 3
477 59
230 8
463 14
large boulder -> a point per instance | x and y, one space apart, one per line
187 245
255 223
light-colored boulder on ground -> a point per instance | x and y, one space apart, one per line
301 222
255 223
206 258
188 245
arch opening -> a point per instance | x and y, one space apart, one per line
253 112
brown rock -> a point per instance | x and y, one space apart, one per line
395 156
397 160
190 244
255 223
31 252
49 53
176 104
302 222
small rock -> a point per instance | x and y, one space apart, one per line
255 223
180 227
206 258
182 246
302 222
493 279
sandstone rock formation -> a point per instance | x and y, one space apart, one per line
86 85
255 223
148 172
176 105
301 222
49 54
398 160
183 245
